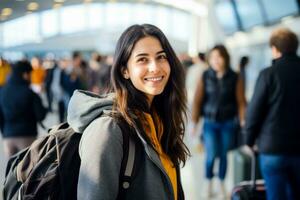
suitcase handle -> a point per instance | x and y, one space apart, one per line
253 155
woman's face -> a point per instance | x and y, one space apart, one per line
148 67
216 61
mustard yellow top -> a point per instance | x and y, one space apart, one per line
155 135
38 76
5 71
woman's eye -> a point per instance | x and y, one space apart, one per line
162 57
142 60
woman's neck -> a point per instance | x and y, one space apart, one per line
149 100
220 74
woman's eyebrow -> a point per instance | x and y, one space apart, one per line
141 54
146 54
160 52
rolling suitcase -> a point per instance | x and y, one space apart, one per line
250 190
242 165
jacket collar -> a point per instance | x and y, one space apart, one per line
284 56
15 79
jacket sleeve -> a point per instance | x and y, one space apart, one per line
101 152
256 111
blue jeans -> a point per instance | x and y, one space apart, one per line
282 176
217 138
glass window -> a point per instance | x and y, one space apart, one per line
163 13
142 14
250 13
31 28
118 14
226 16
73 19
95 14
21 30
180 32
1 36
276 9
49 23
114 17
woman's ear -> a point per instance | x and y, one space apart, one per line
125 73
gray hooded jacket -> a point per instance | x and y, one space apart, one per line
101 153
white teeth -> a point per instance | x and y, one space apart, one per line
154 78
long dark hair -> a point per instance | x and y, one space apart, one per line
224 54
170 105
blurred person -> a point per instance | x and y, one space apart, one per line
76 62
244 61
272 120
94 68
84 76
38 75
79 69
99 74
49 64
22 109
194 73
73 76
148 85
219 98
5 71
186 60
104 78
54 87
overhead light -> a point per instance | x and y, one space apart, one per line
59 1
6 11
87 1
57 5
32 6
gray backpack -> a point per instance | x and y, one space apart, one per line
49 168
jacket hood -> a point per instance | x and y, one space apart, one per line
86 106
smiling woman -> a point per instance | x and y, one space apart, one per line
148 67
149 100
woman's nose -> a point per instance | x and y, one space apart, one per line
153 66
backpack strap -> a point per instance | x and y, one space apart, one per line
128 162
128 168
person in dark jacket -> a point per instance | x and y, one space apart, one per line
21 108
219 98
273 118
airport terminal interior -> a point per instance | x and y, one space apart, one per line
51 33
